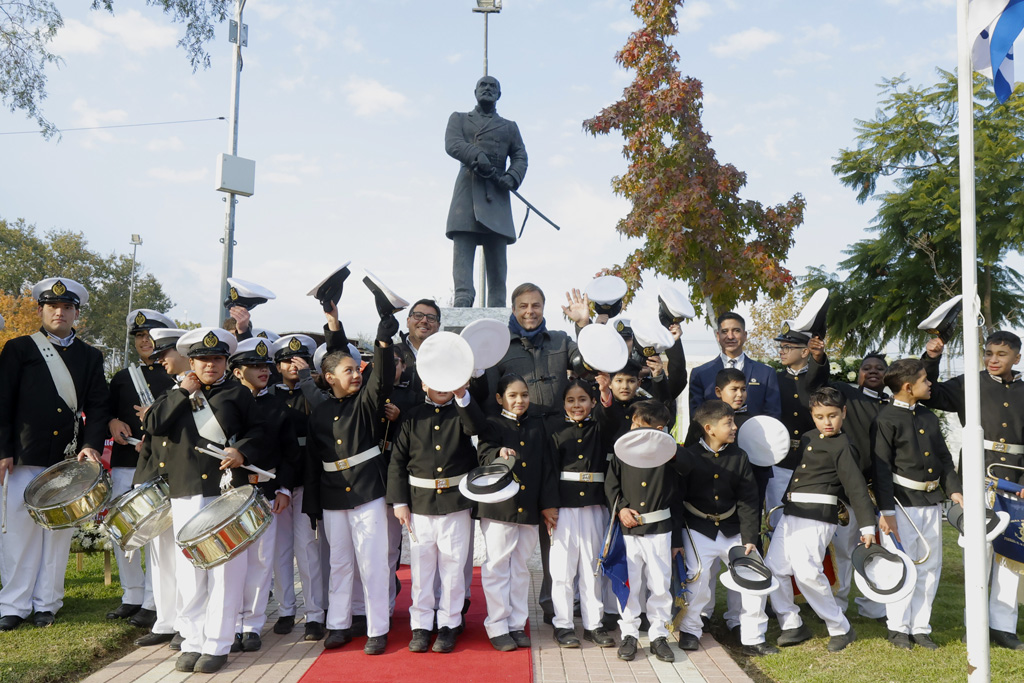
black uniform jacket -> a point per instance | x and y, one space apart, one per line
35 423
646 489
299 403
578 447
615 421
862 407
543 362
715 482
829 465
406 401
1002 413
534 468
909 443
280 449
343 428
795 391
672 382
434 442
173 434
124 398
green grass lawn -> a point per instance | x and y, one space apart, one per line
872 659
81 641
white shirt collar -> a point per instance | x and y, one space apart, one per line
709 449
738 361
61 341
903 404
797 372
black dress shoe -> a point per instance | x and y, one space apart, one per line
759 650
566 637
236 644
420 640
43 619
924 640
661 650
144 618
688 641
503 643
599 637
627 650
123 611
10 622
210 664
284 625
1001 639
251 642
358 627
445 640
900 640
186 661
794 636
337 637
375 645
837 643
154 639
314 631
176 642
520 638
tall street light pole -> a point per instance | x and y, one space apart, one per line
136 241
487 8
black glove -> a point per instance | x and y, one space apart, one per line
482 165
387 329
507 182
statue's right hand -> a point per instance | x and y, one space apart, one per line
483 165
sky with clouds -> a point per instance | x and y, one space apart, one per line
344 105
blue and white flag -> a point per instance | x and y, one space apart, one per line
615 566
995 25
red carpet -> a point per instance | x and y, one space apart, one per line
473 660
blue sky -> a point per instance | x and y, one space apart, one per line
344 105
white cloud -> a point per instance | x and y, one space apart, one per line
171 144
178 176
280 178
350 40
453 58
784 73
745 43
76 37
369 97
770 146
691 18
624 25
88 116
134 31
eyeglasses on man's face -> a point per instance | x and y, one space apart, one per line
429 317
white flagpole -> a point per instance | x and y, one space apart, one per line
972 469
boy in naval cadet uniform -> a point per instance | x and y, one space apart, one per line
208 407
47 381
126 409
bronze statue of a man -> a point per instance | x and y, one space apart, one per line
481 210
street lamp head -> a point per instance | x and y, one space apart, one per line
136 239
487 6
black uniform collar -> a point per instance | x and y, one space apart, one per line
426 399
871 393
579 422
797 372
741 409
711 450
510 415
903 404
1017 377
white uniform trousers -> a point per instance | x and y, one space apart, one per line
797 549
32 559
1002 602
846 540
575 546
297 545
136 583
259 577
439 551
467 568
210 598
161 563
913 614
394 555
776 489
504 576
358 538
750 617
650 557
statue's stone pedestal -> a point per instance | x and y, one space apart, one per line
454 319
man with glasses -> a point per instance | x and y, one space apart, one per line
424 320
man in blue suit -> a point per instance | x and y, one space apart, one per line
762 382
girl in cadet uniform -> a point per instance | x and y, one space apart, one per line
581 462
510 528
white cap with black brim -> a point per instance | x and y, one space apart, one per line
292 345
494 483
207 341
942 321
164 339
602 348
765 440
650 337
445 361
645 447
246 294
995 522
748 574
606 293
328 291
882 575
673 306
388 303
147 319
812 317
54 290
252 351
489 341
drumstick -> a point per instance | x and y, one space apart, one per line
213 452
408 526
3 504
132 441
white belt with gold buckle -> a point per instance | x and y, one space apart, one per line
349 463
999 447
420 482
652 517
914 485
585 477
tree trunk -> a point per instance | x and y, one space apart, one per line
986 300
709 309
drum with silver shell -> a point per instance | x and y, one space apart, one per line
225 527
68 493
138 516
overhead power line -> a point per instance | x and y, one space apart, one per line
121 125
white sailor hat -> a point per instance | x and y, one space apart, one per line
606 293
248 295
621 325
810 322
292 345
445 361
164 339
388 303
265 334
942 321
252 351
645 447
765 440
995 522
601 348
489 340
650 337
328 291
492 483
146 319
673 306
882 575
748 574
207 341
60 290
318 356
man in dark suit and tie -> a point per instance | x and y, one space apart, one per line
481 208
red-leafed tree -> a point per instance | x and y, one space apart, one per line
686 204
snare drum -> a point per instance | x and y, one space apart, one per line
67 493
138 516
225 527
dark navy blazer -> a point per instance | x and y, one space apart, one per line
762 386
